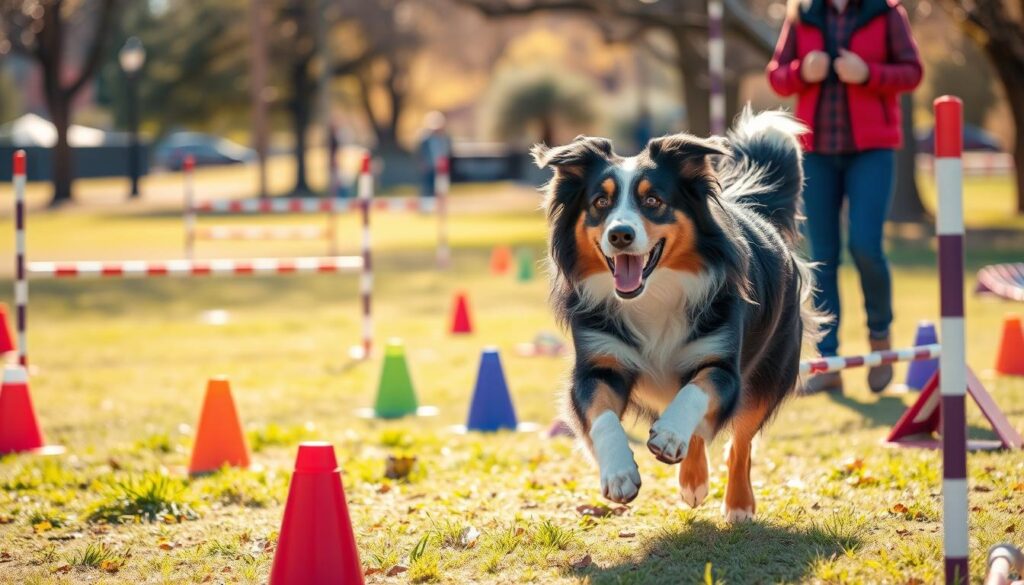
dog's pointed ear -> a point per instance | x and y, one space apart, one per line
575 157
681 147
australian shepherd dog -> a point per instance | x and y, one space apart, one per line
676 272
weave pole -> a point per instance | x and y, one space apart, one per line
188 168
21 278
366 278
442 183
953 362
716 66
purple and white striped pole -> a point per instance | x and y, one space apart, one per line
442 182
188 172
716 66
21 279
366 277
952 362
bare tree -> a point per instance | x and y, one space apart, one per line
997 26
39 29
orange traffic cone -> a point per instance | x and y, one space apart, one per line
316 545
19 428
219 437
460 315
6 339
1011 347
501 260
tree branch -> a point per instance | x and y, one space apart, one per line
749 27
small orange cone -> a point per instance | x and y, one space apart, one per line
460 315
219 437
501 260
6 339
1010 359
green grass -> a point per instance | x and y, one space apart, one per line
120 368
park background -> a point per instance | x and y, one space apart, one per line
121 366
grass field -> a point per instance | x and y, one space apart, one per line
121 367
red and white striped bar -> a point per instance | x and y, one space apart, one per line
311 205
837 363
442 183
20 280
187 170
227 232
366 278
188 268
716 66
953 362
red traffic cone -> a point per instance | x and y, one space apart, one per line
6 340
501 260
316 545
19 428
460 315
1010 359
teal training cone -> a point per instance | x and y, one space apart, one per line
395 395
524 260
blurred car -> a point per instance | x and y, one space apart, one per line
975 139
170 152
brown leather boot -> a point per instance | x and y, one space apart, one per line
879 376
830 382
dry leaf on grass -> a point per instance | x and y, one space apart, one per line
582 563
397 570
625 534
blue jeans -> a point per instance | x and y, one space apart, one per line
865 181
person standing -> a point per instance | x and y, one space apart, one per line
434 144
846 61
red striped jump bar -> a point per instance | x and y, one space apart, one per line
834 364
313 205
187 268
261 233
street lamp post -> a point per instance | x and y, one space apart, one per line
132 56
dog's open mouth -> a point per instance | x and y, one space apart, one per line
631 270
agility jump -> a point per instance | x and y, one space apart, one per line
187 268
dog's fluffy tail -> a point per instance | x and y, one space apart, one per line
765 170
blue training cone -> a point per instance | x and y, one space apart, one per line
921 371
491 408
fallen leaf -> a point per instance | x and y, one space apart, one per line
110 566
62 569
913 581
625 534
166 546
6 519
397 570
982 488
597 511
372 571
384 488
899 509
582 563
1019 487
1010 529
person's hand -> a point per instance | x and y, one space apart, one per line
814 67
850 68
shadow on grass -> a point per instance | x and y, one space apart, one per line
887 410
747 553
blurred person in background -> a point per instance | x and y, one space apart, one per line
434 144
846 61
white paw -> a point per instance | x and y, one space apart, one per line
737 515
667 444
694 496
621 484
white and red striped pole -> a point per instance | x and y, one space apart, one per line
953 362
442 183
21 278
877 358
366 278
188 171
716 67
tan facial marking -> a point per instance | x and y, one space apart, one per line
643 187
608 186
680 243
591 260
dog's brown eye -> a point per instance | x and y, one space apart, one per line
651 201
602 202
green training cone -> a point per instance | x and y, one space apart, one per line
395 395
524 259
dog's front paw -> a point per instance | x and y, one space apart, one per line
622 484
667 444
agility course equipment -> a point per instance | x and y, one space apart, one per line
19 428
177 268
316 545
461 321
501 260
220 440
1010 359
491 407
1002 280
6 340
920 371
524 262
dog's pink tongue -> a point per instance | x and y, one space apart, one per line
628 272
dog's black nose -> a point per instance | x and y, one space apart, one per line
621 236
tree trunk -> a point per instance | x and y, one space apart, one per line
63 164
1015 97
301 110
906 203
693 71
